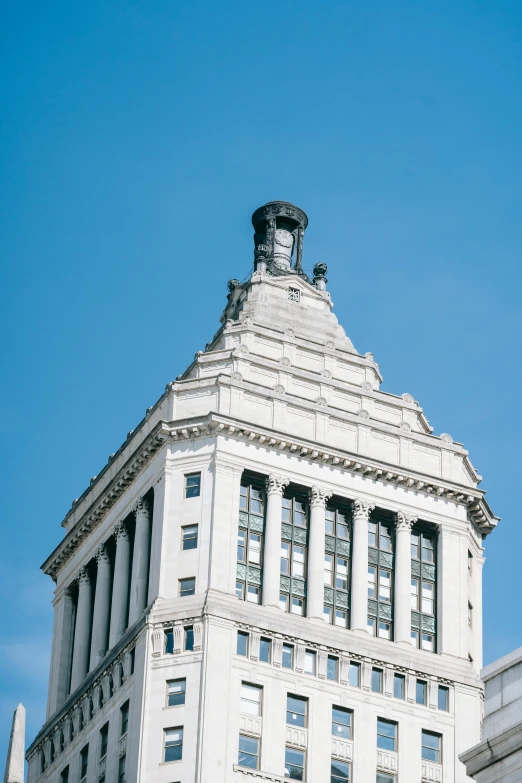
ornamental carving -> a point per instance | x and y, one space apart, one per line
83 577
363 414
326 374
367 386
321 401
236 376
405 520
121 532
406 426
233 284
243 348
290 333
319 496
101 555
141 508
362 508
279 389
330 345
407 397
276 485
445 438
285 361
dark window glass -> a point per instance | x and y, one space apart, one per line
121 769
124 718
443 698
265 649
398 686
187 586
293 558
431 746
386 734
296 711
84 762
173 744
189 537
169 641
377 680
132 659
104 738
354 676
248 755
176 692
189 637
287 661
420 692
382 778
294 764
341 723
332 665
192 485
242 643
339 771
64 775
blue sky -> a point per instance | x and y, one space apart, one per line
136 139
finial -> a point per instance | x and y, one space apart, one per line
279 229
320 280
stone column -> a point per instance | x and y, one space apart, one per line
120 587
82 631
315 581
402 582
275 486
61 652
359 598
140 561
102 605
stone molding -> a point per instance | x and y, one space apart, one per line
319 496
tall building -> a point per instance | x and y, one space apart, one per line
278 574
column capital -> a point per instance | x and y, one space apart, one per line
141 508
276 485
405 520
319 496
120 531
362 508
82 577
101 555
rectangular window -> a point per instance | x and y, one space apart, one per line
377 680
354 674
64 775
296 711
470 562
132 656
242 643
420 692
309 662
398 686
121 769
337 565
188 632
431 746
265 650
423 590
443 698
294 763
169 641
386 735
250 536
293 560
124 718
383 778
248 755
470 615
104 739
332 668
187 586
339 771
173 744
287 659
176 692
189 537
250 703
341 723
380 575
192 485
84 762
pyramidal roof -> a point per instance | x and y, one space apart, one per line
281 372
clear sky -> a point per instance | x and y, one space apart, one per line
137 138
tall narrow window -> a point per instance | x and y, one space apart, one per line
296 711
380 575
341 723
84 763
249 573
294 763
337 565
242 643
443 698
104 740
248 755
421 689
124 718
423 589
294 535
431 746
339 771
173 749
192 485
332 668
64 775
399 681
265 649
287 659
189 537
121 769
354 675
251 699
386 734
176 692
377 680
187 586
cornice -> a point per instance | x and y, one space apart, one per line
216 424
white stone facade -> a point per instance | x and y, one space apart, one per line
282 399
498 756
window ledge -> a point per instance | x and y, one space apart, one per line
257 773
